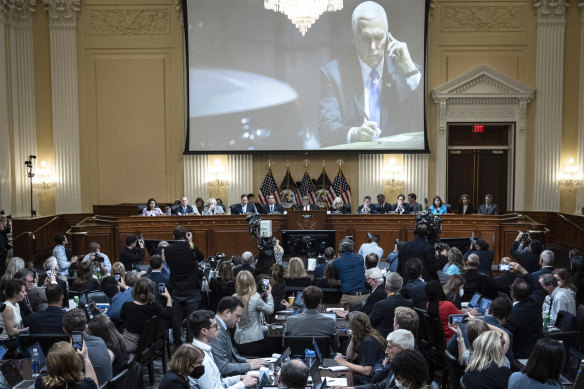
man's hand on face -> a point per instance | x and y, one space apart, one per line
364 133
399 52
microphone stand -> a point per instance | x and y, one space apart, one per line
30 175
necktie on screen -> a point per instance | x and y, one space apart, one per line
374 96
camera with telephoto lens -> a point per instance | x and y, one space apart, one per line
99 258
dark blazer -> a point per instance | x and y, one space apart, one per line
173 381
239 268
184 268
158 278
312 207
419 248
406 208
378 295
237 209
381 316
476 282
493 209
372 209
383 208
277 208
414 290
49 321
130 258
543 271
485 260
526 258
178 209
525 321
342 101
469 210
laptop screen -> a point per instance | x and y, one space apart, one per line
573 363
484 305
474 301
283 357
315 374
11 373
298 300
331 315
317 351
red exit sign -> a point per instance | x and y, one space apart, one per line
478 128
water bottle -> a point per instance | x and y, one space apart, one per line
309 357
546 321
36 364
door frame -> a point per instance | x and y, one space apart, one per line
484 95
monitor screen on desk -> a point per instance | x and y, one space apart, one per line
307 243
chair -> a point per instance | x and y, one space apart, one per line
422 340
98 297
331 295
135 375
565 321
117 382
455 371
144 353
298 344
437 359
162 341
141 208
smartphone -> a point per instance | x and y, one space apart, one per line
49 272
118 277
457 319
161 288
504 267
77 338
88 310
266 283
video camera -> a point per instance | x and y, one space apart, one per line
434 224
215 260
254 220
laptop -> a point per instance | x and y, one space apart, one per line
326 362
13 377
331 315
298 300
484 305
283 357
264 379
315 375
573 366
3 351
474 301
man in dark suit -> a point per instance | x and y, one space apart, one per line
401 206
373 93
381 316
183 258
156 275
526 319
414 288
311 322
243 207
528 257
306 206
375 279
481 248
251 200
272 206
382 206
367 207
49 321
488 208
546 261
184 208
475 281
419 248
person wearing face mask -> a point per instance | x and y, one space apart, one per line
204 327
410 370
185 362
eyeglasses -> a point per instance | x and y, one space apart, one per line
215 326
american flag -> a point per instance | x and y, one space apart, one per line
269 187
340 188
307 188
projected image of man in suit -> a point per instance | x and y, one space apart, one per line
382 102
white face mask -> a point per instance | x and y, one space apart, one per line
461 292
399 385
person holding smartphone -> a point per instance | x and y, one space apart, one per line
65 368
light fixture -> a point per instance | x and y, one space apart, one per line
303 13
43 181
217 177
393 175
571 177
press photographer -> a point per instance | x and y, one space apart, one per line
132 253
427 232
100 262
5 229
479 247
528 258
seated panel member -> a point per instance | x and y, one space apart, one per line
272 206
488 208
311 322
382 206
438 207
367 207
338 206
306 206
414 206
465 207
251 199
184 208
243 207
212 209
401 206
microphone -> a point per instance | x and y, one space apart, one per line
426 202
32 156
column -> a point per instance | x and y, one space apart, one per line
21 94
441 151
580 158
370 171
548 110
240 173
62 30
195 177
5 148
416 171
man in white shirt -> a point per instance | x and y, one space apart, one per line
371 247
558 299
205 329
59 253
102 262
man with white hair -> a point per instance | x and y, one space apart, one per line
371 94
51 265
382 314
374 278
246 264
546 262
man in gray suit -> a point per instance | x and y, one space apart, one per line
311 322
229 362
488 208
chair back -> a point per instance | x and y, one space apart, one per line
120 381
435 332
135 375
98 297
565 321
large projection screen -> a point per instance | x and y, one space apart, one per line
255 83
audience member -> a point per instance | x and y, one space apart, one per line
350 270
474 280
329 280
406 318
558 299
132 253
438 207
525 321
205 330
118 268
371 247
577 270
52 267
371 261
160 251
473 328
546 262
481 248
311 322
365 348
50 320
5 229
414 288
156 275
102 327
35 299
65 369
250 333
376 282
488 208
454 289
502 282
465 207
223 281
141 309
246 264
414 205
183 258
455 263
529 258
84 281
565 281
75 320
187 361
410 370
10 318
419 248
382 314
229 312
99 260
118 294
278 287
293 375
297 274
59 252
543 367
329 256
382 206
367 207
485 368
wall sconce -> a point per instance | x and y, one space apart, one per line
393 175
217 177
571 177
43 181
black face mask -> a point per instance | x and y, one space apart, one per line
197 372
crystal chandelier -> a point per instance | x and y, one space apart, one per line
303 13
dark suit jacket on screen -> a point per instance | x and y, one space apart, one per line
342 101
